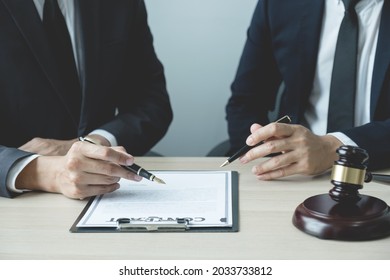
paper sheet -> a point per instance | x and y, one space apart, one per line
204 197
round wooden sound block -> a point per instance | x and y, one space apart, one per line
321 216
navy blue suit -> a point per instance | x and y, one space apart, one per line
123 83
282 47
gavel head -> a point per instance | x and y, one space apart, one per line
348 174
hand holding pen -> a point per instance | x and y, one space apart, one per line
136 169
85 170
296 150
247 148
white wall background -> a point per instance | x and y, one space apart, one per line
199 43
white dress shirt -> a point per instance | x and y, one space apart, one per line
369 14
67 9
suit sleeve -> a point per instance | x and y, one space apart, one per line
142 121
257 80
374 137
8 156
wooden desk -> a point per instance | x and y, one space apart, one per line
36 225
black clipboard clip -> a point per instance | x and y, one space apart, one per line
125 224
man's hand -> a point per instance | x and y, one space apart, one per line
86 170
48 147
302 152
53 147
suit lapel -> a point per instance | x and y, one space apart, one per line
30 25
382 57
304 63
87 37
309 37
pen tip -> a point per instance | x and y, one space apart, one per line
225 163
158 180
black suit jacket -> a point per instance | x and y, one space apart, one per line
282 47
123 83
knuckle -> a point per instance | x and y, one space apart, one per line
304 136
76 146
282 172
270 146
75 192
304 141
36 140
255 170
75 178
112 180
121 158
273 127
121 149
251 154
276 161
73 163
307 168
105 152
109 169
264 177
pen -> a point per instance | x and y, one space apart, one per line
133 168
246 148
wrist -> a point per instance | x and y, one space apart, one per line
331 145
38 175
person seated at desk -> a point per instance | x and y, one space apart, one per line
335 76
70 69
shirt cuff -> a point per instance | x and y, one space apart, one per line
15 171
104 133
344 138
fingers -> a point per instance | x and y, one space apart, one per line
294 145
82 184
90 170
255 127
82 169
277 138
278 173
86 159
303 153
265 149
82 178
276 167
92 151
276 130
86 191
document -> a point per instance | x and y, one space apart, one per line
196 198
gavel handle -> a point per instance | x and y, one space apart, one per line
380 178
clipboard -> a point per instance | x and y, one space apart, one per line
180 185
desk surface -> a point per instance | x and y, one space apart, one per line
36 225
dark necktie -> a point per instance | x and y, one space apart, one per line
343 83
61 47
